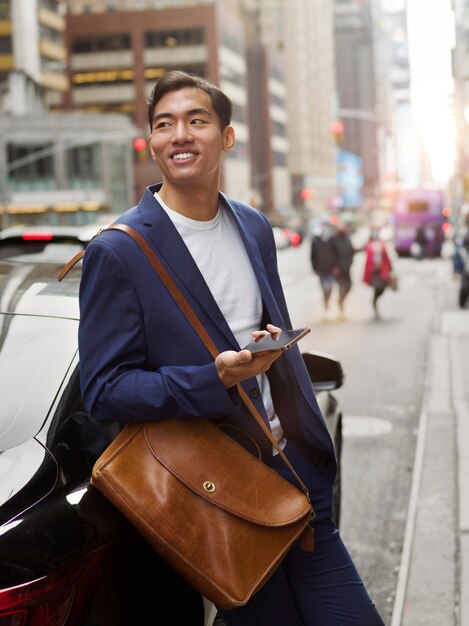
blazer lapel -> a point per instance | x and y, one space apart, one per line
174 253
252 248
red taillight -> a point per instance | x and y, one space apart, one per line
295 239
56 599
38 236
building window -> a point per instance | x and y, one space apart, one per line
277 100
50 34
173 38
239 113
84 167
5 45
5 12
82 45
280 159
240 152
51 5
126 108
103 77
155 73
37 169
278 129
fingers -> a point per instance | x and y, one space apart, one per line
273 330
232 359
270 329
234 367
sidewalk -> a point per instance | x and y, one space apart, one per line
433 582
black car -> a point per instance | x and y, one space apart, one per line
67 556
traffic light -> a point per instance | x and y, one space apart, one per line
306 193
140 147
337 129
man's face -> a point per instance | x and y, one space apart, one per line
187 141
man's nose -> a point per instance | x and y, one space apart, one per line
182 132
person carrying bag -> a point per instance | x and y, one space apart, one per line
143 364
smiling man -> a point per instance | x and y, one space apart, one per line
188 142
140 359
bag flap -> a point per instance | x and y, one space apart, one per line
221 471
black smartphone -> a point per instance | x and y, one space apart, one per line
281 341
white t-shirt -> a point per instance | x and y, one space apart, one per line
218 250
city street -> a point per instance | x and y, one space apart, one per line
384 362
327 117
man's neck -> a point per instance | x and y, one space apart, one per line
197 204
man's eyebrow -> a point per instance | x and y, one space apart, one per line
190 112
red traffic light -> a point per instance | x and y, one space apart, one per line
306 194
140 143
337 128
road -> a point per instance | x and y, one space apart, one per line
384 362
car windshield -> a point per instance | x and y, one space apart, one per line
28 279
38 334
35 356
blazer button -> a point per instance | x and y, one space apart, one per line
254 392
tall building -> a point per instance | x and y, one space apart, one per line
362 47
32 54
118 50
302 32
405 144
268 123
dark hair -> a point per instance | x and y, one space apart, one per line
176 80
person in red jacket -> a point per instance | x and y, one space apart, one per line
377 267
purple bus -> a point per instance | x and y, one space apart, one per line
419 218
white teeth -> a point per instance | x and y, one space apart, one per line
183 155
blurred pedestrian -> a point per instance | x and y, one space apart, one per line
344 252
378 267
421 241
464 256
324 258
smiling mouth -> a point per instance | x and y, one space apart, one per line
181 156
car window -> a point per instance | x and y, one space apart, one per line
31 287
39 252
35 356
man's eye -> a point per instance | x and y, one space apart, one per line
161 125
197 121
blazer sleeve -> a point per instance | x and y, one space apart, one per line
116 383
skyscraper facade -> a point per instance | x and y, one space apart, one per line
118 52
302 31
32 54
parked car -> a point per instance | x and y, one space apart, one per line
67 556
287 237
281 237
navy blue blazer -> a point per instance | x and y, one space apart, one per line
140 359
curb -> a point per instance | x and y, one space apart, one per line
433 582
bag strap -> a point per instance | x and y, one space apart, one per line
196 325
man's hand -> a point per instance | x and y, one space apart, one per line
233 367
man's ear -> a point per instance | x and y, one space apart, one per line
229 139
